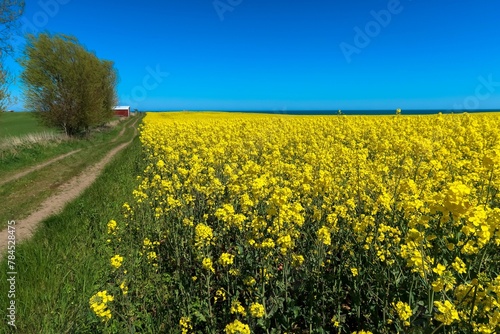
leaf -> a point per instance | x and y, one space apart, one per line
200 316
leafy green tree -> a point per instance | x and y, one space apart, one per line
10 11
68 85
4 93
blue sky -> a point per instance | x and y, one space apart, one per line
287 55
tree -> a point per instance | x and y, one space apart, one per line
69 86
4 80
10 11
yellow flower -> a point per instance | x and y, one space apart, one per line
257 310
297 260
207 264
116 261
446 281
124 287
448 313
185 324
220 294
403 191
268 243
459 266
226 259
439 269
250 281
335 321
203 235
237 308
98 304
324 236
285 242
112 227
152 256
237 327
147 243
404 311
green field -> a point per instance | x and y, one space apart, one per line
19 124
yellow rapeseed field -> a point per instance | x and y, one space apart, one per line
252 223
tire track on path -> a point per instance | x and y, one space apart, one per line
37 167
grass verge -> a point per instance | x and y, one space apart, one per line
62 266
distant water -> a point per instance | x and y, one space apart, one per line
361 112
370 112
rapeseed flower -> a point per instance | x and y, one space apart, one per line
448 314
404 312
207 264
98 304
185 324
237 327
237 308
116 261
413 199
112 227
226 259
324 236
203 235
257 310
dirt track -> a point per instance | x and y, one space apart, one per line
37 167
66 193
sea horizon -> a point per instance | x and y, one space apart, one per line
343 112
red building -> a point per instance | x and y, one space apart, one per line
123 111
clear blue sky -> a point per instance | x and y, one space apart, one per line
287 55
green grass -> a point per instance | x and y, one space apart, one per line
22 196
19 124
65 262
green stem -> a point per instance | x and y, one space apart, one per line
209 299
473 303
435 331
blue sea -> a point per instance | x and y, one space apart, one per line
370 112
360 112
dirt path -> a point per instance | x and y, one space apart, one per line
37 167
120 134
66 193
44 164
